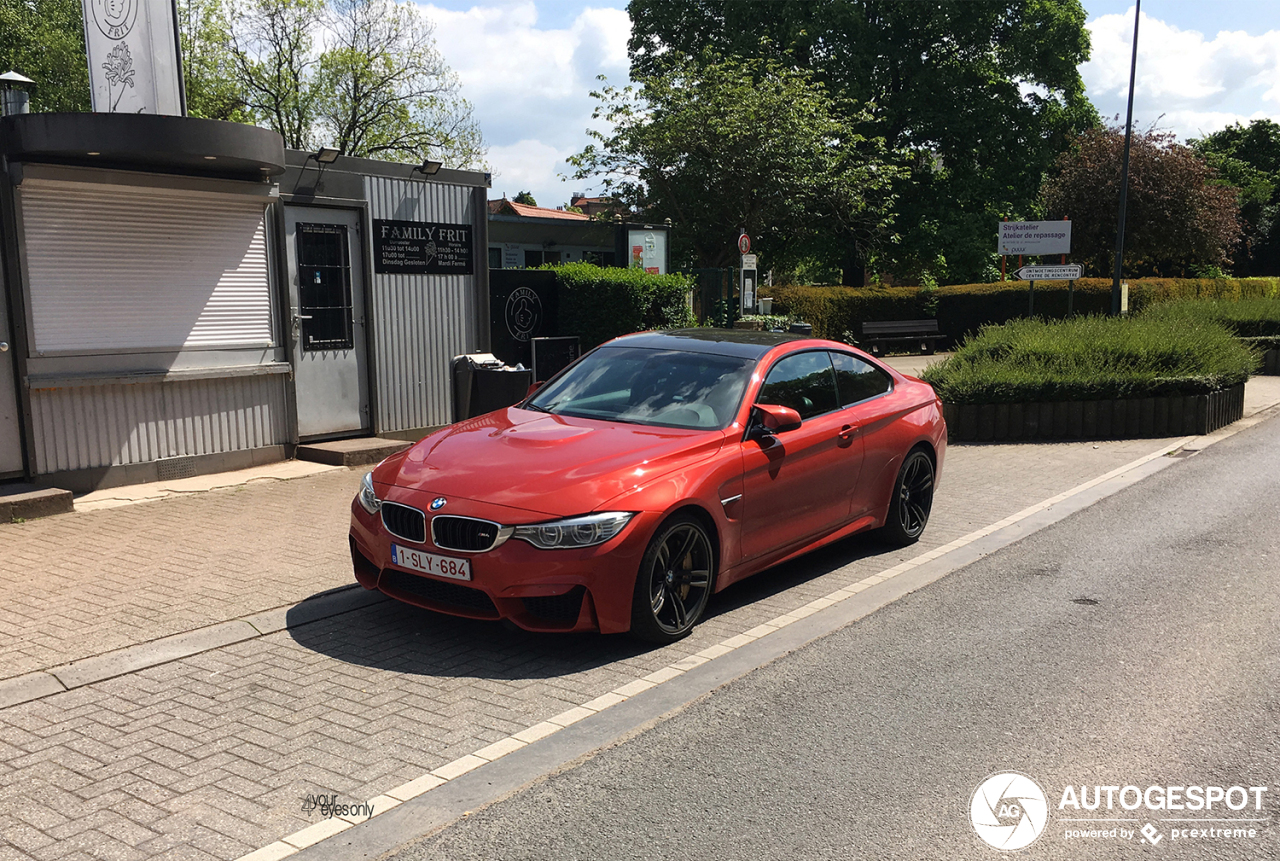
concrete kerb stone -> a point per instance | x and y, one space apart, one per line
87 671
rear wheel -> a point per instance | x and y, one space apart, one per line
912 500
674 583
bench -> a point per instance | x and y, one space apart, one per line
876 336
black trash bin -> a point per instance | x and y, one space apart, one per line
483 383
805 329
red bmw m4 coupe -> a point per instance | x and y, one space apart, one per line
651 473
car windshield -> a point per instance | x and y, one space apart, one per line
670 388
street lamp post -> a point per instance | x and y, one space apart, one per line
1124 169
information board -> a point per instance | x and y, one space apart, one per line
421 248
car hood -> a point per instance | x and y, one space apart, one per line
548 464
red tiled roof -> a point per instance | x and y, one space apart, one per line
510 207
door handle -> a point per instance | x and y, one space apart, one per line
847 432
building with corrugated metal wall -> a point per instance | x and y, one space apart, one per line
184 296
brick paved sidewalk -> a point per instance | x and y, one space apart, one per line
82 584
209 756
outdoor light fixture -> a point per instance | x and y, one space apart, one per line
428 167
327 155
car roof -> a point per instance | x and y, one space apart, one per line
743 343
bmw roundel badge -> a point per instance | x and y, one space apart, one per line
437 503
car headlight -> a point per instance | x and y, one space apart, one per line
367 497
581 531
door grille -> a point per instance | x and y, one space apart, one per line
469 534
404 522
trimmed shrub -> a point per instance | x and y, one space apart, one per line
1091 358
962 309
1245 318
599 303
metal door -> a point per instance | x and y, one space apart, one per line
326 299
10 435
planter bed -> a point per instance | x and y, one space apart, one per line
1271 362
1107 419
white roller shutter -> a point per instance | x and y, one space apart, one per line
117 267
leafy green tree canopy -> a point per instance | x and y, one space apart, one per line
1248 157
986 92
526 198
718 145
1177 217
362 75
44 40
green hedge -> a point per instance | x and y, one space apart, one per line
1246 318
600 303
1091 358
962 309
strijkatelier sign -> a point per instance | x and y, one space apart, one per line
1035 237
134 60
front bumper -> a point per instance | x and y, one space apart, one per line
579 589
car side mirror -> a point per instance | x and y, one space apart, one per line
776 418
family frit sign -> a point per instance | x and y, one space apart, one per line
421 248
134 60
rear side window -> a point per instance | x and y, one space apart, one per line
857 380
804 382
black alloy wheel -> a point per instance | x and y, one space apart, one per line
674 582
912 500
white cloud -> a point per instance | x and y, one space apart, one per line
530 85
1191 83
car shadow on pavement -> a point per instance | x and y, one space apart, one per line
389 635
797 572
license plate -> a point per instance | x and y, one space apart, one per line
429 563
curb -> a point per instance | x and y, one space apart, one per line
86 671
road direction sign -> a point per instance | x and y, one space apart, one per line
1035 237
1049 273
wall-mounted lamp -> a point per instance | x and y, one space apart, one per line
327 154
428 167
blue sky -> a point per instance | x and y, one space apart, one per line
528 66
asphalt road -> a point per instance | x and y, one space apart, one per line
1134 643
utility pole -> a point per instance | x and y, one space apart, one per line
1124 169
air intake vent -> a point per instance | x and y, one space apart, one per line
463 533
404 522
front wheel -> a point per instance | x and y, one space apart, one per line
674 582
911 502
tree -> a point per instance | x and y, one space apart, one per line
718 145
271 47
1248 157
985 92
382 89
208 66
526 198
1177 216
44 40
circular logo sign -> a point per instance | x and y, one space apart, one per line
1008 810
523 313
114 18
744 244
437 503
